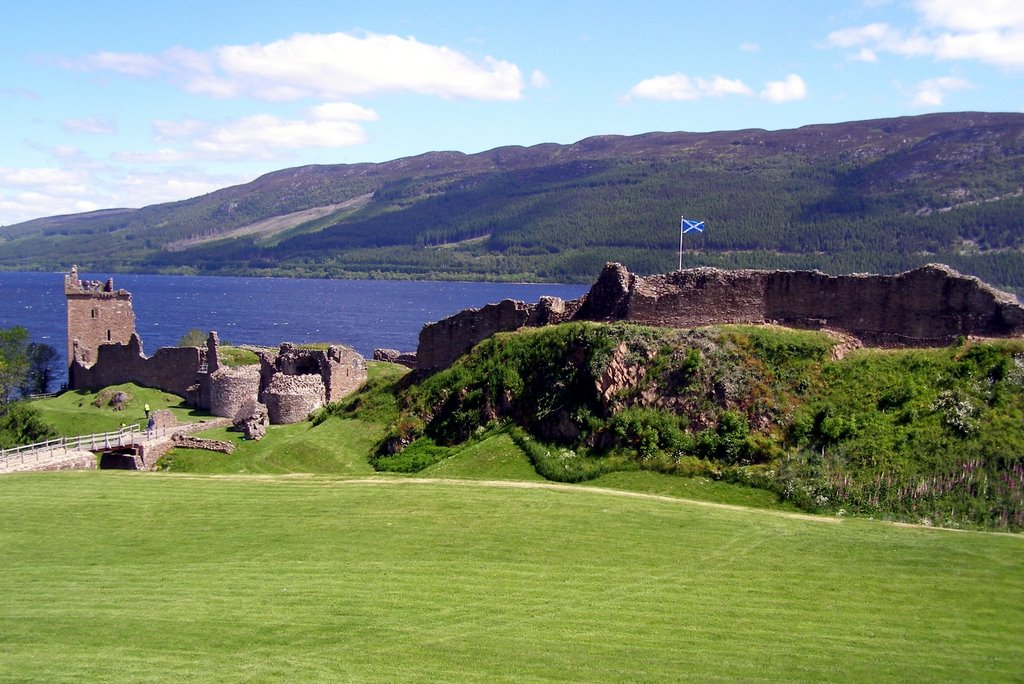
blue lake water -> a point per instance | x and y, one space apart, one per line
364 314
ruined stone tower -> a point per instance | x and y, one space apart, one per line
97 314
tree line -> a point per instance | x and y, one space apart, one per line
26 368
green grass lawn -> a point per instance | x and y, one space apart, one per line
695 488
158 577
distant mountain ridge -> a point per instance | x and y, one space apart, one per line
882 195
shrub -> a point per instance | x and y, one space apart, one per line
420 454
957 410
648 432
21 424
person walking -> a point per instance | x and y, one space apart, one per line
150 425
147 410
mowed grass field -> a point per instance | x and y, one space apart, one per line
112 576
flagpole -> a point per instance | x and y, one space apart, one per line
681 243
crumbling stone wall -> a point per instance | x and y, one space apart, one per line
931 305
98 314
231 389
343 371
296 381
407 359
182 440
442 342
104 350
172 369
291 398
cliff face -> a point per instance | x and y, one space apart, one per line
929 306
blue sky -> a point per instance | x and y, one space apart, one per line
124 104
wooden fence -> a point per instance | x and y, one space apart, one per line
48 450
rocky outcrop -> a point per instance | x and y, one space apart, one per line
929 306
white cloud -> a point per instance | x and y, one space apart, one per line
142 189
679 87
719 86
93 125
261 136
342 111
167 130
787 90
128 63
28 193
859 35
683 87
750 47
538 79
932 92
40 178
974 16
990 31
165 155
322 66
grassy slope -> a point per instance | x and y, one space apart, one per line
336 446
113 576
919 435
494 458
73 413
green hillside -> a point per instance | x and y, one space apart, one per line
933 436
879 196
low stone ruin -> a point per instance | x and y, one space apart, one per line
291 398
185 441
232 389
407 359
928 306
253 421
291 383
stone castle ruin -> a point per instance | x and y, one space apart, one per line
104 349
98 314
928 306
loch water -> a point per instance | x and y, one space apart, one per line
364 314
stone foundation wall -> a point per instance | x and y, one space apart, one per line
74 461
931 305
181 440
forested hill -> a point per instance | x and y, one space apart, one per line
882 195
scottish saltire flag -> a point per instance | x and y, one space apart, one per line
688 226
